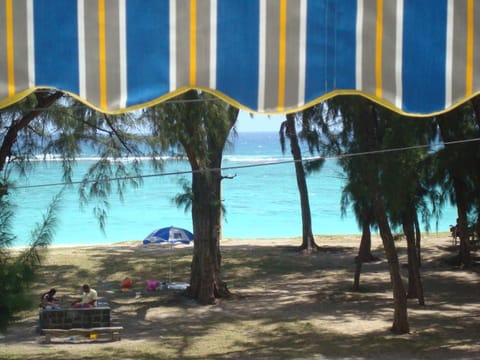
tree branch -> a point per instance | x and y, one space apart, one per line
116 133
12 133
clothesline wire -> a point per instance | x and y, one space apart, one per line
262 164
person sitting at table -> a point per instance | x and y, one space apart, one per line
49 301
89 298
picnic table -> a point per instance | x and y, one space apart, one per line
68 318
77 321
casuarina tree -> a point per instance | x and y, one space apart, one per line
198 125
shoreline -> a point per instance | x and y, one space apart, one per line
255 241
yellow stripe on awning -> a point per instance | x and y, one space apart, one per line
102 54
193 42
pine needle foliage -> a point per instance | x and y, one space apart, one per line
17 272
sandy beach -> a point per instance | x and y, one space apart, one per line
285 304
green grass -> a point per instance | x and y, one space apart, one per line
285 305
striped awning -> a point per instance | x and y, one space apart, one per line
268 56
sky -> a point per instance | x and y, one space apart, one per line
258 123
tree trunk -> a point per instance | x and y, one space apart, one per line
418 240
415 286
364 253
365 250
203 143
308 241
465 257
460 190
206 284
400 317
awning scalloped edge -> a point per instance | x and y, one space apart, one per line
5 103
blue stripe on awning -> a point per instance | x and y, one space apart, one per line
148 61
330 47
315 80
344 21
237 50
56 44
424 46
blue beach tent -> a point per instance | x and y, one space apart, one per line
171 235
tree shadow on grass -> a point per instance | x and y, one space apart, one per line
287 305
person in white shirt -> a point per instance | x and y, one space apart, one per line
89 298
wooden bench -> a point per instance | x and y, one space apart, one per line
114 330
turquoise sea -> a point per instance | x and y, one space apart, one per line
261 201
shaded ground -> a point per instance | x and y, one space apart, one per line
285 305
